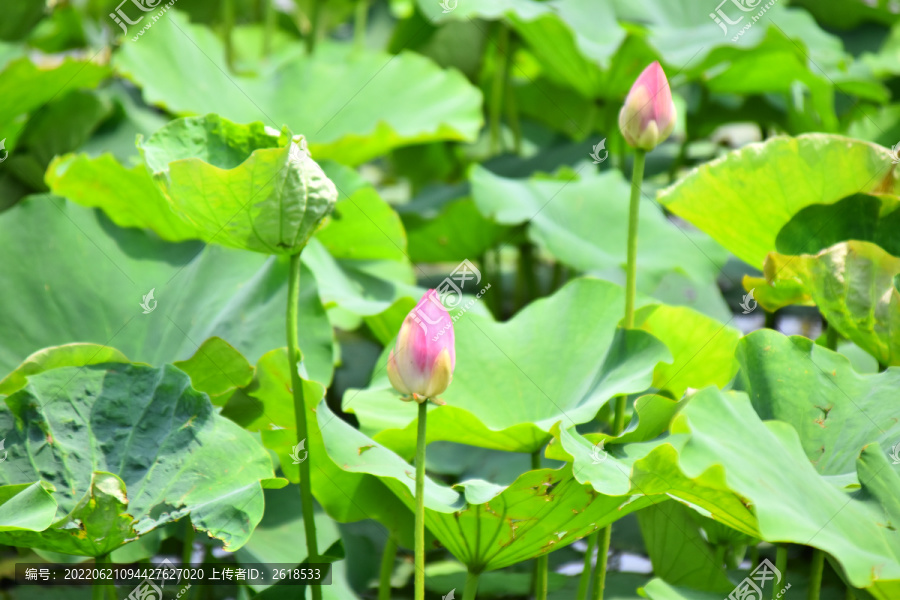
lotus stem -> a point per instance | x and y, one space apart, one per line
309 523
637 176
541 563
103 591
512 110
227 27
388 556
311 38
815 574
471 586
359 24
187 550
605 536
420 504
781 565
497 85
270 16
584 583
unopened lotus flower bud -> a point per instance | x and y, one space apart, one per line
648 116
422 361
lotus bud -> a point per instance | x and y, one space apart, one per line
648 116
422 361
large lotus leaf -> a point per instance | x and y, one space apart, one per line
129 448
581 223
835 410
86 278
243 186
345 102
791 500
513 381
745 198
360 266
703 347
25 86
853 285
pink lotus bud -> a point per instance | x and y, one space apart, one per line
648 116
422 361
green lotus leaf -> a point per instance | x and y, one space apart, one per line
563 215
127 449
791 500
744 199
703 348
513 381
852 284
358 257
241 185
26 86
345 101
93 277
216 368
835 410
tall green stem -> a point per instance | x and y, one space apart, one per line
634 207
309 523
313 25
781 565
420 502
637 178
605 537
584 583
227 27
831 337
270 17
471 586
815 574
103 591
388 556
542 563
359 24
497 85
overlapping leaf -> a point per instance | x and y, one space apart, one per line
346 103
854 285
743 199
128 448
86 279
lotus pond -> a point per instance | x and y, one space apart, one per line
457 299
